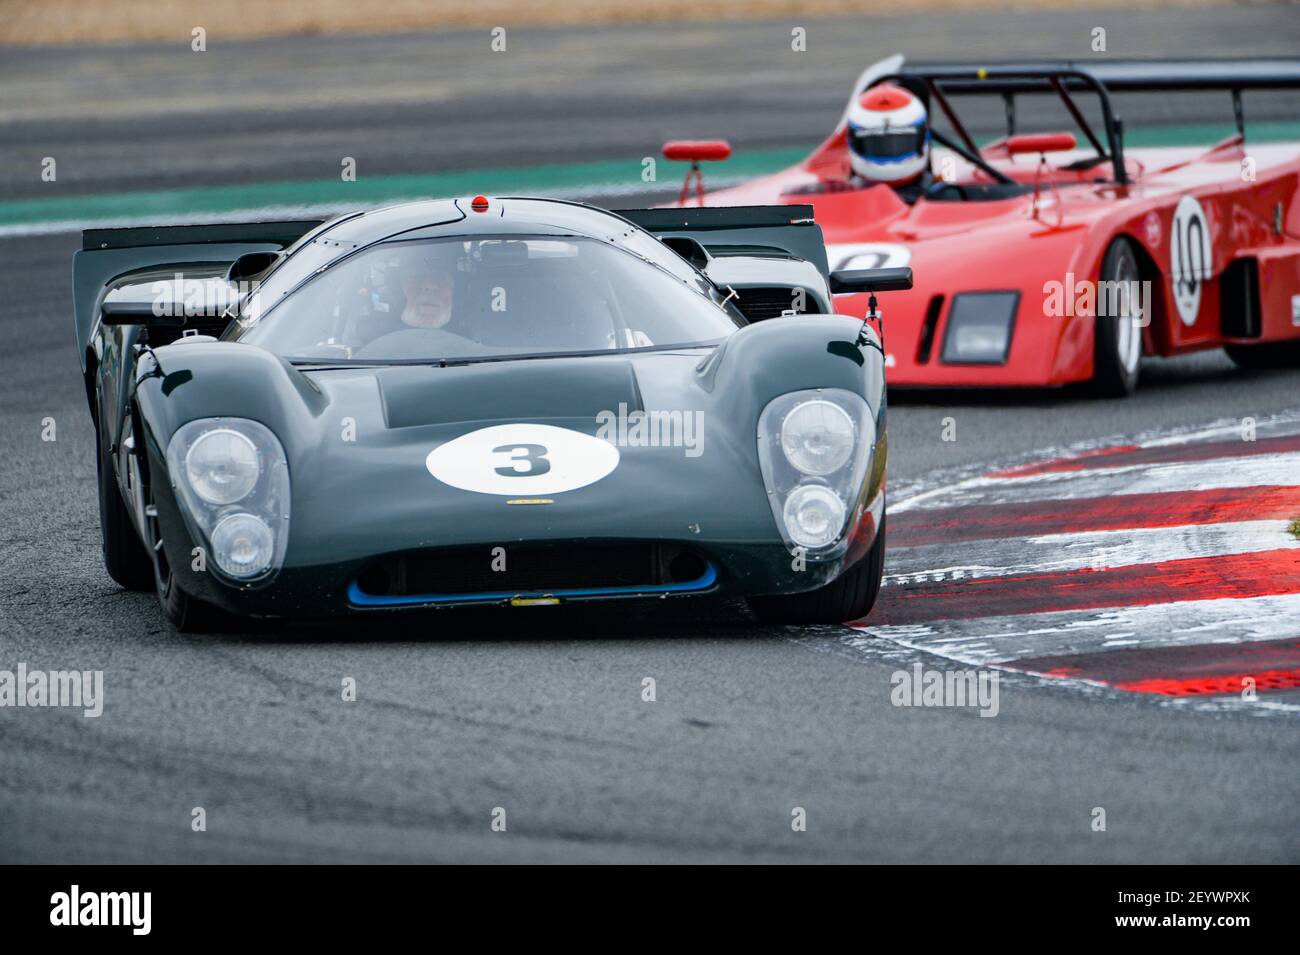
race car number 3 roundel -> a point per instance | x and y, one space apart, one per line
522 459
1189 253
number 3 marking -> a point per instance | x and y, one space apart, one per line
533 455
521 459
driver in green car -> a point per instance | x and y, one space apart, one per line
425 277
428 288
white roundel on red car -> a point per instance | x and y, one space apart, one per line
1189 257
522 459
867 255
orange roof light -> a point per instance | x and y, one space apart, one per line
479 204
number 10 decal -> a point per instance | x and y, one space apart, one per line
522 459
1189 253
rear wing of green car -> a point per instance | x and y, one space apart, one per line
108 254
735 230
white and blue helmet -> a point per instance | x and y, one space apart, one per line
888 135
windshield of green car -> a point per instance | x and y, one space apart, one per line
486 297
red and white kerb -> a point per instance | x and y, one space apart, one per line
1168 567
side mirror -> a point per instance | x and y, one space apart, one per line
696 151
689 249
846 281
251 264
1040 143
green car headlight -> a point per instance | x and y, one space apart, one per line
815 448
232 480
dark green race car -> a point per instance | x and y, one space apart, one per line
515 401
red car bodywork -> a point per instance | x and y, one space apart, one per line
1055 237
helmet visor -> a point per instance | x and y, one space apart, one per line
887 144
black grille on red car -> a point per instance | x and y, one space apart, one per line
532 568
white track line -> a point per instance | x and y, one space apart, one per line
1078 551
990 640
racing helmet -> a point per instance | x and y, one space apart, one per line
889 135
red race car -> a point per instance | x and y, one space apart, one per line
1038 263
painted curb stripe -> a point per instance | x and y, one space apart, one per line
1163 566
1074 463
1054 553
1257 471
1205 686
1239 575
1186 671
1003 639
1170 509
1162 454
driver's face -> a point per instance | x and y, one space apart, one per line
428 299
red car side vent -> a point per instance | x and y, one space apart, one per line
927 330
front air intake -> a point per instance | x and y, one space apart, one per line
534 568
1239 300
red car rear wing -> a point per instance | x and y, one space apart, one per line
937 81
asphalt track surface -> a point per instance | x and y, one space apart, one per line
540 711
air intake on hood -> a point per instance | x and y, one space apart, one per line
531 389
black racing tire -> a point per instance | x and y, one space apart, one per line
1265 355
188 614
185 613
848 597
125 557
1116 355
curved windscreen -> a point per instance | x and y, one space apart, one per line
431 300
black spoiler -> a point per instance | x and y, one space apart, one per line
790 229
283 233
108 253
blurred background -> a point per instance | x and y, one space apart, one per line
76 21
197 109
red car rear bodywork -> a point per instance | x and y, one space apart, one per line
1047 243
